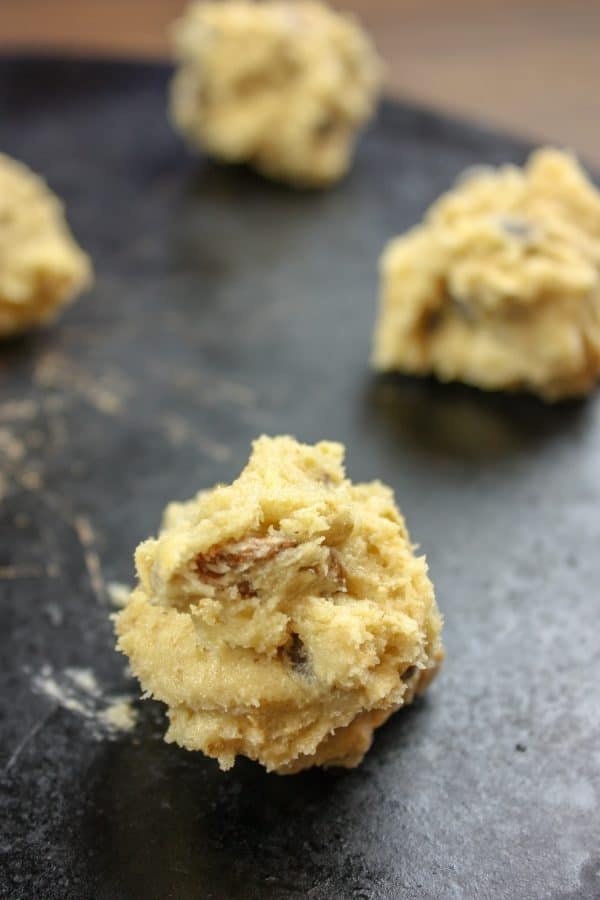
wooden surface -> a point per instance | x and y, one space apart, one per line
530 65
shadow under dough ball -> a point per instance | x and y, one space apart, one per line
283 86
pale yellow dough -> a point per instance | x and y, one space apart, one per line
500 285
284 86
283 617
41 266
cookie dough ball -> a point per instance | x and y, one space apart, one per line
283 617
500 285
41 266
284 86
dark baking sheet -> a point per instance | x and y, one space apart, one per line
224 307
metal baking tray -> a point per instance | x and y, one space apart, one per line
226 306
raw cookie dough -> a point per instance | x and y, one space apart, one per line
41 266
284 86
500 285
285 616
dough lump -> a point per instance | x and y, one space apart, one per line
500 285
41 266
282 617
284 86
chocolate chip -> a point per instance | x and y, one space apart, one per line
296 655
296 651
245 589
325 127
431 320
409 673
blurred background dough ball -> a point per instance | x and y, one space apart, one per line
283 86
41 266
499 286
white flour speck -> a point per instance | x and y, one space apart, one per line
54 613
119 716
77 690
118 593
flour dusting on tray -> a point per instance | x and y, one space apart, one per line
77 690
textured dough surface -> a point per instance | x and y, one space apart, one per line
41 266
282 617
284 86
500 285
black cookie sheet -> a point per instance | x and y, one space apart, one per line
225 306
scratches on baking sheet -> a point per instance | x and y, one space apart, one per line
216 451
18 411
35 728
15 453
176 429
220 391
31 479
12 457
207 389
11 447
57 432
15 573
106 393
87 538
179 432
